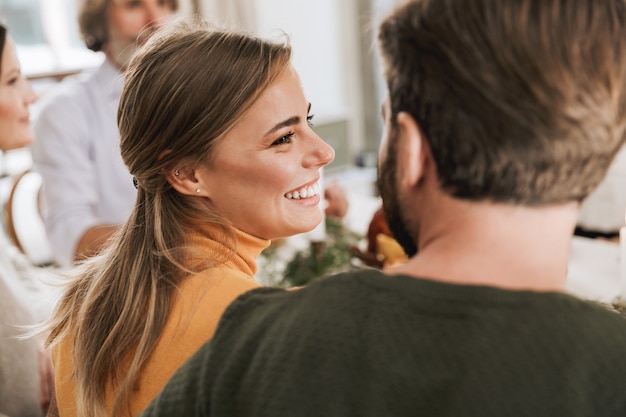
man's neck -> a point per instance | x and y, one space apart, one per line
505 246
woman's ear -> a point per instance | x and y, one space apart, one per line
412 151
184 181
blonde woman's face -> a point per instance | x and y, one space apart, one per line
264 173
16 95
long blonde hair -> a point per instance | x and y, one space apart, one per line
184 89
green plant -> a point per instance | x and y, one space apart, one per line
322 258
333 255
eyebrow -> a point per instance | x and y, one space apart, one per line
285 123
289 122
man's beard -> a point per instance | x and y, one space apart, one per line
122 56
394 212
122 51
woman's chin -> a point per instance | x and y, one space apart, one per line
16 143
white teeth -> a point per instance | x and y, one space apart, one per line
304 192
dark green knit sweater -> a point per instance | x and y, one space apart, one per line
366 344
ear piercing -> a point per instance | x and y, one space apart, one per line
177 173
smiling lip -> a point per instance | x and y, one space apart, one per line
307 191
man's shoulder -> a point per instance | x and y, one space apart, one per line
71 86
597 321
327 290
339 301
75 89
70 95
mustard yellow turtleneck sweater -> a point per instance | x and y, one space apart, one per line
195 312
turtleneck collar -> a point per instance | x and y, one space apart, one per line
210 239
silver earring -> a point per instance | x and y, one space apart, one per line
197 190
177 173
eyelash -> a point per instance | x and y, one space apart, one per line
135 4
284 140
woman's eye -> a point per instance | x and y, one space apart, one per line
309 119
13 81
133 4
283 140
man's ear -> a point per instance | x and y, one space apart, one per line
412 151
185 182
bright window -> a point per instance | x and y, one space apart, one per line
46 34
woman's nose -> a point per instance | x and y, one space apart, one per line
321 152
28 93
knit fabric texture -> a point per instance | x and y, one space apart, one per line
368 344
195 312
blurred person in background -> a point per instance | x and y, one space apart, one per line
87 191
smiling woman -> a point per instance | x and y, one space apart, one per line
221 167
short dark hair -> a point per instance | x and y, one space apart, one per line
93 22
520 101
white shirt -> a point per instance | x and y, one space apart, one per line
76 151
603 210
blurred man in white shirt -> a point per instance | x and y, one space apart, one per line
87 191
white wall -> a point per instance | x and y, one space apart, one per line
314 29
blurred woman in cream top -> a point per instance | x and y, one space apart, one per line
24 371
